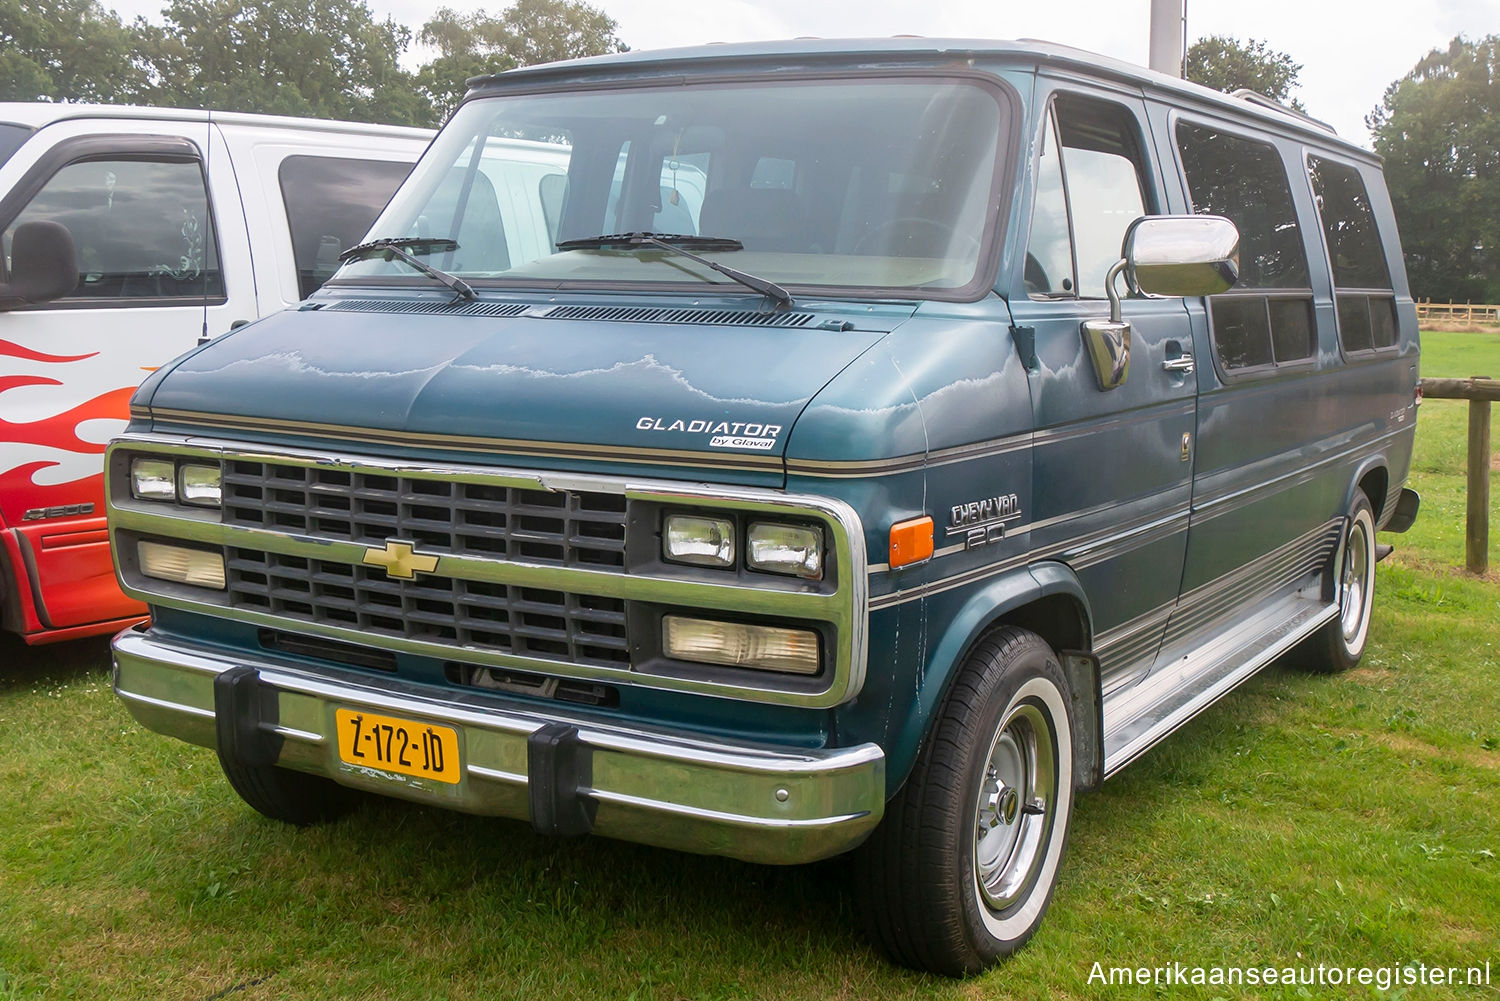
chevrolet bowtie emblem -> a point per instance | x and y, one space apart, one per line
400 561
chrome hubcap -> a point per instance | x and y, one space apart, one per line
1014 809
1356 583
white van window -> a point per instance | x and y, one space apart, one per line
1266 320
12 138
330 202
141 227
1356 253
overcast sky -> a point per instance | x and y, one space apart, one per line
1349 49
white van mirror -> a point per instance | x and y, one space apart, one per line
43 264
1181 255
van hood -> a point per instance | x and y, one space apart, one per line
549 386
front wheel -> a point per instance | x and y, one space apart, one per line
1339 644
963 866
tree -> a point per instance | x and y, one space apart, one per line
319 58
1440 136
67 50
526 33
1224 64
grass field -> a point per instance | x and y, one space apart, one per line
1352 821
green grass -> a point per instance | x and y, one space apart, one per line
1346 820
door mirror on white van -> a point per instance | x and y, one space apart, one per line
43 264
1181 255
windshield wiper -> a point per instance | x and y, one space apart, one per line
393 249
678 243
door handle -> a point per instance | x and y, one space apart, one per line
1183 364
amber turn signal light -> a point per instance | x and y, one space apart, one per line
911 541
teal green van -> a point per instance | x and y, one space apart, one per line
784 450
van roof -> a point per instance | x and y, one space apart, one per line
37 114
812 51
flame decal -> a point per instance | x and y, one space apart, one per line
16 351
62 431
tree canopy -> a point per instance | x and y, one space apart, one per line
67 50
1440 136
526 33
1228 65
319 58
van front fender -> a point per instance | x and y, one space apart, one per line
1044 597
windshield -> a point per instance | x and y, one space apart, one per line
870 184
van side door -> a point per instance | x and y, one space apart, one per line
1265 498
162 251
1112 469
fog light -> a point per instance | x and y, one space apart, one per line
153 479
199 485
788 549
735 644
181 565
706 542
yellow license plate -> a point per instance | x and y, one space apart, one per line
392 744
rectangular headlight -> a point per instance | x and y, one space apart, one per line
199 485
787 549
153 479
736 644
705 542
181 565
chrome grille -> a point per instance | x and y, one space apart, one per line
561 528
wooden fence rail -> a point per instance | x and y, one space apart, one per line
1468 314
1480 393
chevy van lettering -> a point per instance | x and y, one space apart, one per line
1002 508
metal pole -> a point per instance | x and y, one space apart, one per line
1166 36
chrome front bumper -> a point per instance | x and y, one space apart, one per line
746 801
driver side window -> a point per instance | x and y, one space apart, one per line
141 227
1090 188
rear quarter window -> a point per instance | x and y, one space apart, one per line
1356 255
330 203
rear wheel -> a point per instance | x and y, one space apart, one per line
1341 642
290 797
962 868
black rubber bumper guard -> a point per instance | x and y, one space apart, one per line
558 764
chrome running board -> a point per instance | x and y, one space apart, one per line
1174 693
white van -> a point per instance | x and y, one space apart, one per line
185 224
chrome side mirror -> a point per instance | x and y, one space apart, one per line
1164 255
1181 255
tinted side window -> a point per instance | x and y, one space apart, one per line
330 204
1266 320
1090 189
1361 278
141 227
12 138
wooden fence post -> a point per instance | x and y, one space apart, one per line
1477 526
1480 391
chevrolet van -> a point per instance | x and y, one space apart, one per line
878 445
